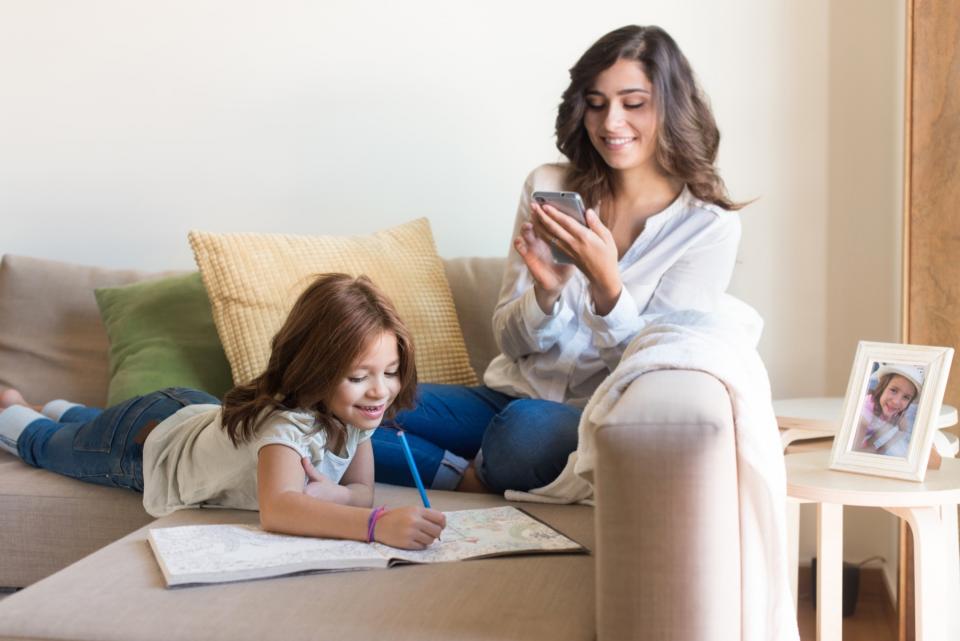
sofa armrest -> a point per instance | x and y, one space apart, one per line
667 512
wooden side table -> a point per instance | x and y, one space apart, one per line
802 419
930 509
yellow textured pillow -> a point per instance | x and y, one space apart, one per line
253 280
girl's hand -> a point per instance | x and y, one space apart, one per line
549 277
592 249
320 487
411 528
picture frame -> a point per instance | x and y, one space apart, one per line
891 410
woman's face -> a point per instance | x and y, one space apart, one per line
621 118
896 396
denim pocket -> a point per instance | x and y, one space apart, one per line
99 434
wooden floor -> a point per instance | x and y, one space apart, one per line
874 619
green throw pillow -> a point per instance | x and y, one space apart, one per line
162 335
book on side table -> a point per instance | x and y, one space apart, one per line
202 554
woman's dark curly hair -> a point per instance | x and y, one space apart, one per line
687 134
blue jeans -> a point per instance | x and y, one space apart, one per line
103 446
525 441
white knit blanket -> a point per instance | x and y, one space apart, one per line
722 344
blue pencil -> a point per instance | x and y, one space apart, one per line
413 468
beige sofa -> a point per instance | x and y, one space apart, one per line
663 536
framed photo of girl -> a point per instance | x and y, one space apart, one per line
891 409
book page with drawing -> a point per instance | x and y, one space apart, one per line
199 554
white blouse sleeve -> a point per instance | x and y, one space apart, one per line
519 325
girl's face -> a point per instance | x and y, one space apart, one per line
371 384
896 396
621 118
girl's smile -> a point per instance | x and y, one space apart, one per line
373 412
897 396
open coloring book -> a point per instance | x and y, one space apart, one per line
197 554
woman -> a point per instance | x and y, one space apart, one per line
659 236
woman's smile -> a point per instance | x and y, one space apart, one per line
617 143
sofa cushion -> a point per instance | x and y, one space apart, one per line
253 280
120 589
50 521
162 334
52 340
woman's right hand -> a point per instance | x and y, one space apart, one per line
549 277
411 528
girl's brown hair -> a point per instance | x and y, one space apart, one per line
329 327
687 134
882 386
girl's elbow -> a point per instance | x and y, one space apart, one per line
271 514
268 521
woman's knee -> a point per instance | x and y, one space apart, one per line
527 445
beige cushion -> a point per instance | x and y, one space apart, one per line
52 341
253 280
118 593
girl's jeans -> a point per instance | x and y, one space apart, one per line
103 446
525 442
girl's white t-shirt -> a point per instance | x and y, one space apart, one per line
190 461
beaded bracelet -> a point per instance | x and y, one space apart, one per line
375 515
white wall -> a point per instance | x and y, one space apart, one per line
123 124
864 208
126 124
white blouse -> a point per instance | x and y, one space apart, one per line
683 259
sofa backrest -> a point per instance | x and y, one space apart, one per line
53 343
475 283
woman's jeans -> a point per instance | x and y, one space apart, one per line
525 442
103 446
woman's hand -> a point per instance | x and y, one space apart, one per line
549 277
411 528
320 487
592 248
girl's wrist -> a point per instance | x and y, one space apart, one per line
375 515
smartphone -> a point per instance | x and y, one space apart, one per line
566 202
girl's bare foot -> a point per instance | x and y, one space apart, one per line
471 482
10 396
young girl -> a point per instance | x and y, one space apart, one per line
661 235
884 427
293 443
